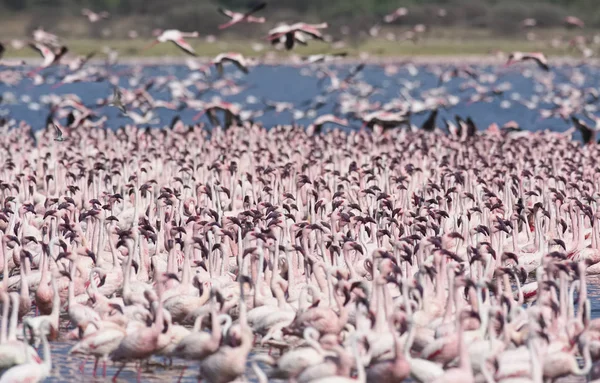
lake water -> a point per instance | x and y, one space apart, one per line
523 96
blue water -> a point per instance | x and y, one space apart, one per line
288 84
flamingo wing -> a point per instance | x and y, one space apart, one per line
58 132
106 337
89 56
219 66
313 32
354 71
226 12
542 64
187 48
212 117
241 67
238 62
40 48
257 8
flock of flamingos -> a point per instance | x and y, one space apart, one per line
316 256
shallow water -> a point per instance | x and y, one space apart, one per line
67 368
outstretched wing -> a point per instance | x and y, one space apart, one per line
118 100
586 133
40 48
116 95
542 64
309 30
90 55
238 63
187 48
354 71
225 12
241 67
257 8
58 133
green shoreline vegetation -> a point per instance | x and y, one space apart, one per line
374 47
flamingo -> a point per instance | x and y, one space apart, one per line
295 33
13 352
50 55
538 57
573 22
141 342
317 126
199 344
398 13
177 38
37 324
228 363
94 17
32 371
99 344
237 17
235 58
81 316
462 373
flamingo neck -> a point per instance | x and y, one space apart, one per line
3 322
14 318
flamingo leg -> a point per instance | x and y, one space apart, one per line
82 366
228 24
114 379
139 372
95 367
104 369
181 375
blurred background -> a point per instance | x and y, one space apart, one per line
426 26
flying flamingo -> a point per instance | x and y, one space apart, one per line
292 34
235 58
49 54
538 57
94 17
574 22
177 38
398 13
317 126
237 17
